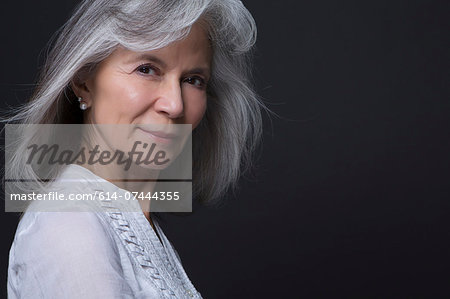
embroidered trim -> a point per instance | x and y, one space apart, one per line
123 229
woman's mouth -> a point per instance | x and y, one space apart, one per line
160 137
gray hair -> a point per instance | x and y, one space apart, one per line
232 123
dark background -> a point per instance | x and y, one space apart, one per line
350 194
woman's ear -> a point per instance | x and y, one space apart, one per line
81 90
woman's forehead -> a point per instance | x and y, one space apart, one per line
194 51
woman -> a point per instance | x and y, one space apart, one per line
133 63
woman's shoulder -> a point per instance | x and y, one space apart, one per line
60 235
65 255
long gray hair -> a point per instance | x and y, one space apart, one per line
231 128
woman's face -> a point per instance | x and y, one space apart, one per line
164 86
153 92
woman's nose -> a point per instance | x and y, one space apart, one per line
170 99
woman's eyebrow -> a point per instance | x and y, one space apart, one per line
200 71
148 57
205 71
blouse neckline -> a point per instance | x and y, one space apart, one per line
107 186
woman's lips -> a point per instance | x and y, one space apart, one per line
160 136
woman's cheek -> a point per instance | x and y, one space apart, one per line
196 112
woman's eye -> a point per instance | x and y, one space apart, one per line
196 81
147 70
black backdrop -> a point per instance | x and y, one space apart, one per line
350 194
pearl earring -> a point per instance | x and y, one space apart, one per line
83 105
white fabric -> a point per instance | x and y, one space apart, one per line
109 253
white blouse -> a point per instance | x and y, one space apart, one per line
112 252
